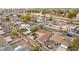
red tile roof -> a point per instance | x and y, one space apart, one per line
43 36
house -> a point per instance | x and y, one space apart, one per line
25 26
70 33
58 38
6 48
26 32
43 36
1 16
18 23
21 48
1 32
2 41
69 27
60 48
14 17
21 45
63 28
39 19
1 28
8 39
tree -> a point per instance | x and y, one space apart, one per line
64 29
33 29
36 48
34 35
71 13
50 19
14 33
7 19
22 30
26 18
60 12
74 46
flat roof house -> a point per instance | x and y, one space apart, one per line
1 28
2 41
8 39
25 26
1 32
21 45
21 48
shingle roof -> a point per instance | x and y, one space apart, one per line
56 37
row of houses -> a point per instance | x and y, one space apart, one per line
7 44
56 40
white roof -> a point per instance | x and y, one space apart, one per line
18 47
2 32
18 22
0 27
21 48
14 15
28 28
24 25
26 32
60 48
20 27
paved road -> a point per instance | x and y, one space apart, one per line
33 42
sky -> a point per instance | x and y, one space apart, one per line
38 3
